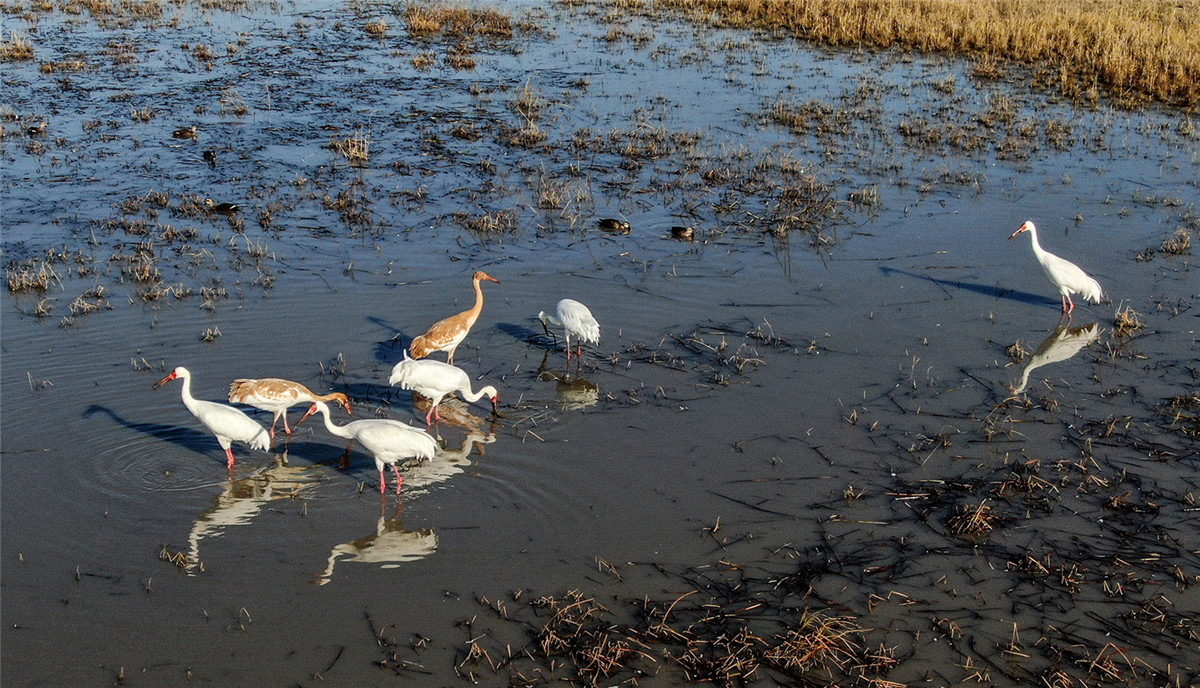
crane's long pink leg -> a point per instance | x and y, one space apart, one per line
285 425
399 480
229 453
381 482
273 422
1068 297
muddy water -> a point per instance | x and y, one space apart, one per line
774 396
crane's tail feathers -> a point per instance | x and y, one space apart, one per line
1093 293
401 375
419 348
261 441
591 333
238 389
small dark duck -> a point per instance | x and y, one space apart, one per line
683 233
222 208
615 226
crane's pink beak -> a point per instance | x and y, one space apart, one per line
347 405
495 400
1023 228
164 381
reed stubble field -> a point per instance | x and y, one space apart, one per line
878 498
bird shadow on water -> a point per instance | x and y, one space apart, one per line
392 349
201 442
528 335
985 289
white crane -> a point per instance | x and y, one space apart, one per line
226 422
435 380
575 319
389 441
1067 276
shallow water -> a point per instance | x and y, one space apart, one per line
744 382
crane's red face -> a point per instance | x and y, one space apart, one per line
1024 228
495 400
165 380
311 410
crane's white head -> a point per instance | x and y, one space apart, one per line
492 394
1027 227
177 373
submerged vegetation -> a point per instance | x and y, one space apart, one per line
1134 50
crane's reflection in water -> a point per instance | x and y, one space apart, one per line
572 393
392 544
1063 343
243 499
389 546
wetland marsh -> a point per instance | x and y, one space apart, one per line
836 434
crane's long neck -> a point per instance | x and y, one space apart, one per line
478 307
188 400
1037 246
470 396
333 429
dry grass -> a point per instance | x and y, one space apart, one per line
232 103
356 148
31 276
15 48
1134 49
425 20
63 66
820 639
973 520
1016 351
424 61
1126 321
376 29
1178 243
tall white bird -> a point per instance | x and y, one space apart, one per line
575 319
1067 276
435 380
389 441
277 396
226 422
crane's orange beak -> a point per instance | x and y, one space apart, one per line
164 381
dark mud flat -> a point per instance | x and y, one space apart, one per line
840 437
